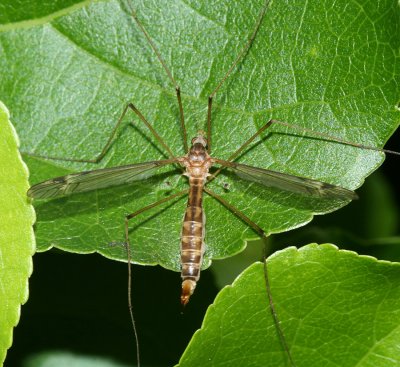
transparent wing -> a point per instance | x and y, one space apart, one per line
289 182
91 180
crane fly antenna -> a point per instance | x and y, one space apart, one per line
165 67
241 54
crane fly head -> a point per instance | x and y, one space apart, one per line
200 139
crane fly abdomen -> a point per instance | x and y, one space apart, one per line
197 163
192 239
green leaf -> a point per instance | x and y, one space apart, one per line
336 308
329 67
27 13
17 243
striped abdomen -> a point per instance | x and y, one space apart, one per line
192 238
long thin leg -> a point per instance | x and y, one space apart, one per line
130 307
132 215
111 138
183 127
171 78
272 305
128 248
332 138
299 128
151 128
99 157
262 234
241 54
240 149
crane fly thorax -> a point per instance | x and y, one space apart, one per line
197 162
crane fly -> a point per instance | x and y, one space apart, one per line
196 165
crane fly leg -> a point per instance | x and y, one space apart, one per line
241 148
110 140
99 157
129 258
264 238
242 53
168 72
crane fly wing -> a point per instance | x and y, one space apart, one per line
287 182
97 179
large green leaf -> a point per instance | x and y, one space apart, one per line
28 13
329 67
335 309
17 243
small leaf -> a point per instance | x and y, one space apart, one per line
330 67
17 243
336 308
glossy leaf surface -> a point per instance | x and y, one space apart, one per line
328 67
